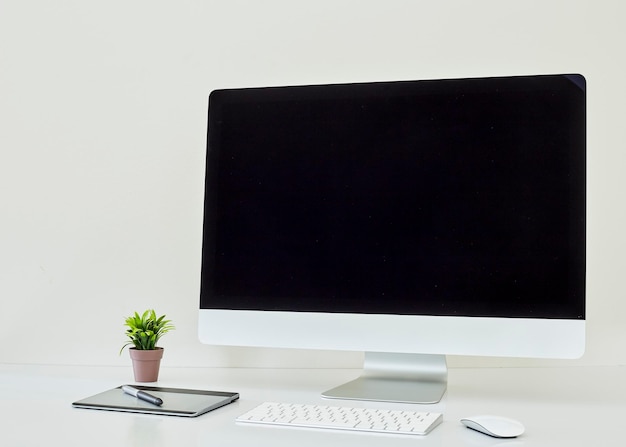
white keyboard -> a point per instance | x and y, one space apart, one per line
343 418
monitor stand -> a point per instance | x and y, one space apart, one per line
390 377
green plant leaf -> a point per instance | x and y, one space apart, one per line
145 330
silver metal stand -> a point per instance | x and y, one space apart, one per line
407 378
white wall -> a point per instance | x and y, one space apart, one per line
102 140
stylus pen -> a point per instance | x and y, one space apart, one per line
139 394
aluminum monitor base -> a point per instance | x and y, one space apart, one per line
406 378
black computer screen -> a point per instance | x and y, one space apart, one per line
444 197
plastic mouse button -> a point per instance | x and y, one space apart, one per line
496 426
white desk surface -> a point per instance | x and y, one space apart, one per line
569 406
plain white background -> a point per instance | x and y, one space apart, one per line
102 143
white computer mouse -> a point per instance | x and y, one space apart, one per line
496 426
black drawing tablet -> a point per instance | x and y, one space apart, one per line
176 401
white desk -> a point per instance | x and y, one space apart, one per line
558 406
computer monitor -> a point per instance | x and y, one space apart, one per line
409 220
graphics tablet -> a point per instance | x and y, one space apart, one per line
176 401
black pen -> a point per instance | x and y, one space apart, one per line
139 394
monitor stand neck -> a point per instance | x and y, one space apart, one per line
390 377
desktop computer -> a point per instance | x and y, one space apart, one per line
410 220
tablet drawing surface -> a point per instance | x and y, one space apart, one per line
176 401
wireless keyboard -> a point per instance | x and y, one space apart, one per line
343 418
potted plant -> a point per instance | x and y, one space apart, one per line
144 332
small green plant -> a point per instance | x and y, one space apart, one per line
145 331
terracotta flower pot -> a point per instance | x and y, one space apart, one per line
146 364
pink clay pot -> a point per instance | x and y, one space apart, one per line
146 364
